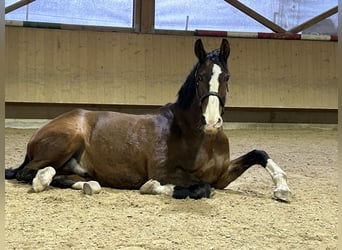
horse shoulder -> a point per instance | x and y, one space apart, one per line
213 157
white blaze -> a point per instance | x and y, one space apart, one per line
212 113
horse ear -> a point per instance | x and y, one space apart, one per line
199 50
224 50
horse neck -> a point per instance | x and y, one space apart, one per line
187 113
189 120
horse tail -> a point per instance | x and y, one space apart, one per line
11 173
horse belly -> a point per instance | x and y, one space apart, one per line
122 149
111 169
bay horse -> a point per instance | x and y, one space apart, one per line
180 151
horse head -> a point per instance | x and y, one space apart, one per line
211 77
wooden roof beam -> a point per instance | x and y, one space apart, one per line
143 20
17 5
314 20
256 16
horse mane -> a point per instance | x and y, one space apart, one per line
187 92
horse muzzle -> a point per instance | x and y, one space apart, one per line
213 111
212 127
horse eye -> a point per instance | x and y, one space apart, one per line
226 78
199 78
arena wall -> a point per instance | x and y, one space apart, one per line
53 66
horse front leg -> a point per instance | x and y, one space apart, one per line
194 191
257 157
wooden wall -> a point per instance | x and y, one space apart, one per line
88 67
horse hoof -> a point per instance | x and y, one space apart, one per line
283 195
149 187
91 187
43 179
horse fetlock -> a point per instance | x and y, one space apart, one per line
280 179
91 187
43 179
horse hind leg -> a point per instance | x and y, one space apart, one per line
74 167
44 177
32 172
238 166
47 176
37 172
77 182
73 175
11 173
27 171
41 174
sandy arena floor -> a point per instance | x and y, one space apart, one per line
244 216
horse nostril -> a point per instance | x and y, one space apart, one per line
219 121
203 120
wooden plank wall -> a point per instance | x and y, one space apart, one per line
64 66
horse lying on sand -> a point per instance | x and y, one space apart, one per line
180 151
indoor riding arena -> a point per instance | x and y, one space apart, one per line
133 57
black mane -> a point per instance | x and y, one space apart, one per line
187 92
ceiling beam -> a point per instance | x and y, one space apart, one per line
314 20
256 16
17 5
137 15
144 12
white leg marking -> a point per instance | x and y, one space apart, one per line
43 179
78 185
282 191
212 113
154 187
91 187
